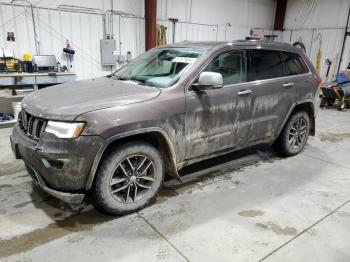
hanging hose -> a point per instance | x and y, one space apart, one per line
161 35
300 45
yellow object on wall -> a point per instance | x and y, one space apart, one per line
26 57
319 52
318 60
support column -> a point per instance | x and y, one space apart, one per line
150 24
280 14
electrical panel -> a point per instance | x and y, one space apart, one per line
108 48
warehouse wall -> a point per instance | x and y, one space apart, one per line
83 31
241 13
216 20
309 14
320 25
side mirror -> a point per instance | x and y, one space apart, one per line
209 80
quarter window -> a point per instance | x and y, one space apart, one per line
294 63
231 65
268 64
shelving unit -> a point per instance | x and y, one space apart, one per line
24 80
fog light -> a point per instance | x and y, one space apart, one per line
56 164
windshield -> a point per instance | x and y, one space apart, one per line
160 67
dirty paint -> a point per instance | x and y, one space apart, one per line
251 213
287 231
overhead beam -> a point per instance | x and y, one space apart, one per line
150 24
280 14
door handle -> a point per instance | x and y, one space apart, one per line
288 84
244 92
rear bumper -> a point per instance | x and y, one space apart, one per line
60 166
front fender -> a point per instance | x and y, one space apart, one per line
120 136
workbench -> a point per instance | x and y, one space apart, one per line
35 81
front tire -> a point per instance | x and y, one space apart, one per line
129 178
295 134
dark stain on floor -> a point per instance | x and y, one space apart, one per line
334 137
5 186
38 237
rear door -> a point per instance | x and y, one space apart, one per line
301 76
273 93
219 119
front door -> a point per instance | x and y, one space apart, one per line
219 119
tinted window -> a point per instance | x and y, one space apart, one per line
268 64
294 63
231 65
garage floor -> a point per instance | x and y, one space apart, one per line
250 206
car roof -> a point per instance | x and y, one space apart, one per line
248 43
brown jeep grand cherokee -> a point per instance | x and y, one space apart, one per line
118 136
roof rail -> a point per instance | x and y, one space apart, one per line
260 41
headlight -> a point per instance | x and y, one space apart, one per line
64 129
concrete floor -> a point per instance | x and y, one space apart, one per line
250 206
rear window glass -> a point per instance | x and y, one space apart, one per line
294 63
268 64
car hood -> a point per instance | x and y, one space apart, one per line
68 101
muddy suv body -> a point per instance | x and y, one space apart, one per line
118 136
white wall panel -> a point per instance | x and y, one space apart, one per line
242 13
83 31
18 21
309 14
185 31
327 21
330 42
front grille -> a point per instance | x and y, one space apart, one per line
32 126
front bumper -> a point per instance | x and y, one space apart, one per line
60 166
73 199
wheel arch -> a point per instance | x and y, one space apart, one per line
306 106
155 136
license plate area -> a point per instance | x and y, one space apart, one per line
15 149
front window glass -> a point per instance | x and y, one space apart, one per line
161 67
231 65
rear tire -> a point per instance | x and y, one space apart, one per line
294 136
129 178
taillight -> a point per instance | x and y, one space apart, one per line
318 81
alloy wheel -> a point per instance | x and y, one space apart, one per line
297 133
132 178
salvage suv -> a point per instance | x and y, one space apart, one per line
118 136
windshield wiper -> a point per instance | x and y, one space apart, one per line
140 82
